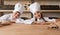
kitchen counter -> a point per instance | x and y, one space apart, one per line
23 29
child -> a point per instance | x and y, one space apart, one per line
15 16
37 15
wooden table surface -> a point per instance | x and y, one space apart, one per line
23 29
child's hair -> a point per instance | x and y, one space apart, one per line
42 17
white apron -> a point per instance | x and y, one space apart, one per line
9 17
29 21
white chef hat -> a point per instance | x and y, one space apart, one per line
34 7
19 7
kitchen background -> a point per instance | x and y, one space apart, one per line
50 8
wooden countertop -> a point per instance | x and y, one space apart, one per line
23 29
28 10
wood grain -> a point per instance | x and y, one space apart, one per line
23 29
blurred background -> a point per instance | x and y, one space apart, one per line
49 8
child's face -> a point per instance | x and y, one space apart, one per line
16 14
37 14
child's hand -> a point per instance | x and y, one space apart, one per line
13 21
38 23
5 22
48 23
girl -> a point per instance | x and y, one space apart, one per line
37 15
